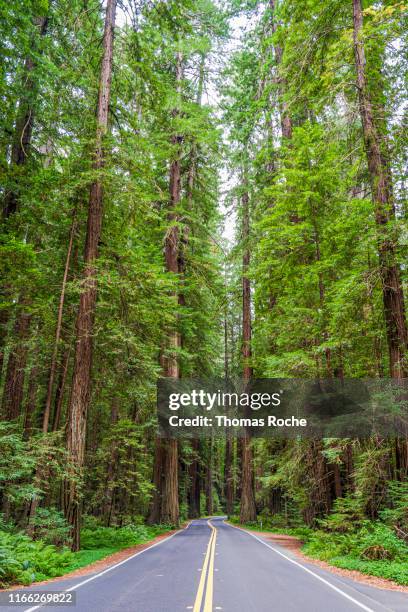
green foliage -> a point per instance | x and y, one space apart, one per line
374 549
396 512
50 526
346 516
23 560
16 463
28 466
119 537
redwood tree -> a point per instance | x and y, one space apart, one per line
81 380
377 152
248 508
165 503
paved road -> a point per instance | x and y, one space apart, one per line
214 566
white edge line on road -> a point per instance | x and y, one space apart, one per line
306 569
112 567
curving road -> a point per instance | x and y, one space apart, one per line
213 566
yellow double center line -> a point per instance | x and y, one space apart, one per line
208 565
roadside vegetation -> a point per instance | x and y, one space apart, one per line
347 539
24 560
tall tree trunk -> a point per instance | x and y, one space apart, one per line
31 400
401 459
327 352
193 493
169 510
248 508
209 501
170 502
4 319
60 390
111 468
155 504
319 490
229 483
228 477
194 484
286 121
53 366
14 381
377 152
81 379
246 291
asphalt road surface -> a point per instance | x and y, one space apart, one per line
213 566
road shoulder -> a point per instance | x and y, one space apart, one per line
293 545
101 564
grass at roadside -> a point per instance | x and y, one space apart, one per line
86 557
373 549
23 560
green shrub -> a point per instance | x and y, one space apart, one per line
119 537
276 523
51 527
374 549
234 519
392 570
23 560
6 524
377 535
347 515
325 546
396 514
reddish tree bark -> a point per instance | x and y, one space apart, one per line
248 508
194 510
14 382
246 291
155 505
228 461
169 512
81 379
377 152
59 393
319 494
209 499
165 502
228 477
4 318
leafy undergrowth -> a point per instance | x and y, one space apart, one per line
372 549
23 560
